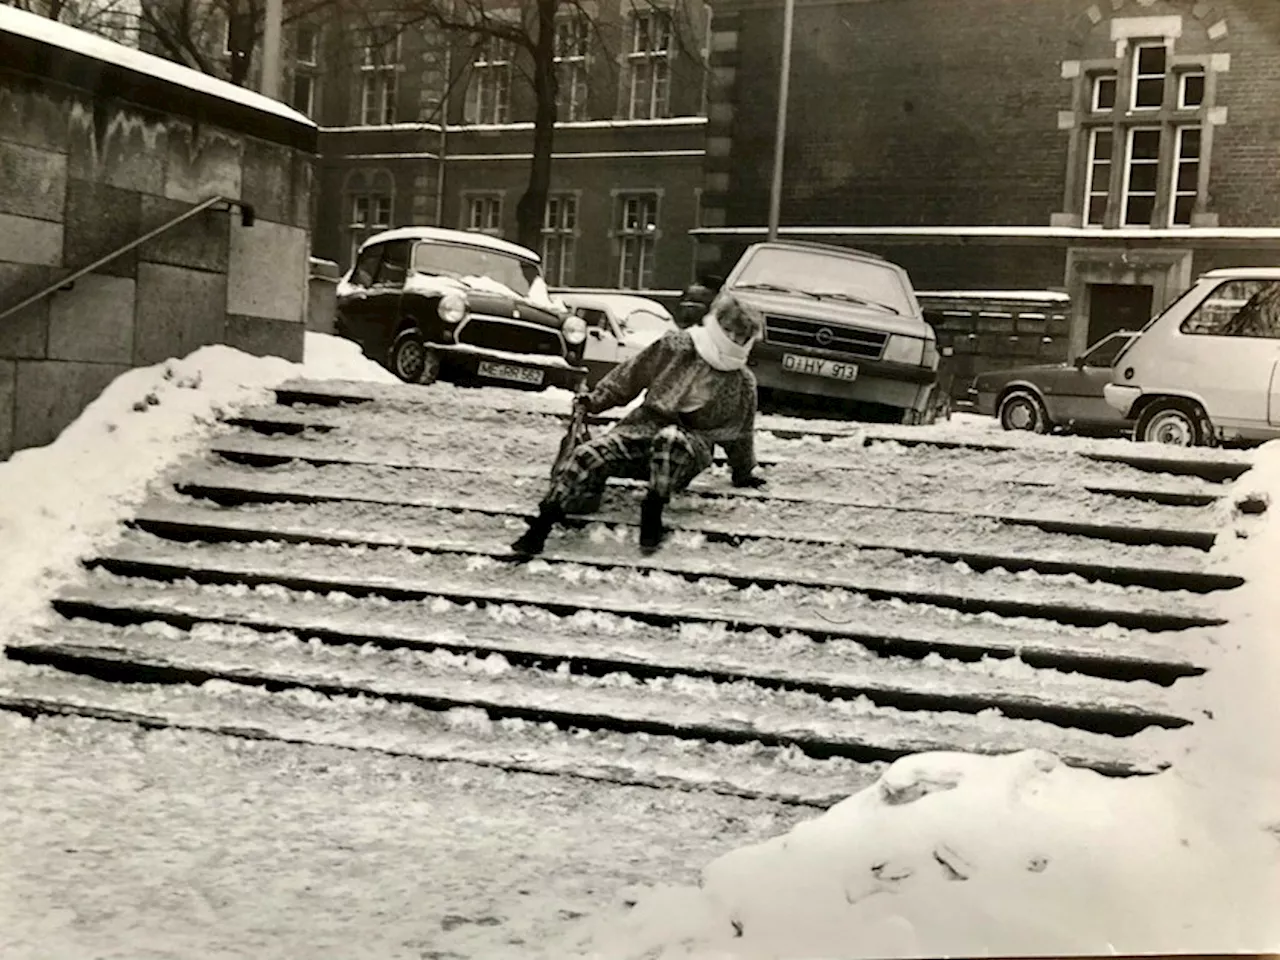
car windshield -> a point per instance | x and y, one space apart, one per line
1103 353
827 275
457 260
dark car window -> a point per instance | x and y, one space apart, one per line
366 266
1104 352
395 263
1238 308
593 317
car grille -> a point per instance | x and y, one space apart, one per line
512 337
796 332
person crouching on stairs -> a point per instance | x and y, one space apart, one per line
698 393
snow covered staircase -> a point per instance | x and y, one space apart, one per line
336 571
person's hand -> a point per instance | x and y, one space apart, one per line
752 481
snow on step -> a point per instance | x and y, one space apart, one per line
654 596
492 435
1066 598
603 643
681 706
746 515
462 734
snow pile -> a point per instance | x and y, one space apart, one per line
64 500
954 854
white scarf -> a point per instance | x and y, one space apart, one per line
715 347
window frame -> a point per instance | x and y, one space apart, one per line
496 200
379 77
1137 76
573 66
654 61
641 240
563 235
492 70
1083 189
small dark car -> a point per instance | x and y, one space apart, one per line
429 303
1067 396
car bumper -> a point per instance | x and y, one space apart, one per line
1121 398
982 402
900 385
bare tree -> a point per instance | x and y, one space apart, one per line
530 28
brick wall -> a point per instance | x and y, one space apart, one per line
904 112
86 172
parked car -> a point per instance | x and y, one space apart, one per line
1207 369
430 304
842 328
619 326
1048 396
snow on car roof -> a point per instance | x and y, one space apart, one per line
56 34
469 237
621 303
995 294
1265 273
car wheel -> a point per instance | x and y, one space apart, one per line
1021 410
1176 423
412 360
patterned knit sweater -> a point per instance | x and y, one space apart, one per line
667 370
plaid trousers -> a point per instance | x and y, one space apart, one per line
669 460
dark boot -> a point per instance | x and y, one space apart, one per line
534 540
651 529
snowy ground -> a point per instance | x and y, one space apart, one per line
124 843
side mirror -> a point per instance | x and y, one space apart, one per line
1080 363
595 332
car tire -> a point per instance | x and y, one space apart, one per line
1023 410
412 360
1174 422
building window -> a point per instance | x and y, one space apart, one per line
1141 176
1104 92
1142 152
484 213
370 214
637 240
379 66
1186 176
1191 90
559 232
306 57
649 65
489 94
1098 177
1150 64
572 42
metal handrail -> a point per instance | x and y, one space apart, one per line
246 218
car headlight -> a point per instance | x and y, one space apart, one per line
453 308
574 330
904 350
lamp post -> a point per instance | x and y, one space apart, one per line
780 133
272 31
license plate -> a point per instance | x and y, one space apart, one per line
509 371
814 367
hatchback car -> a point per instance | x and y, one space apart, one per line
619 326
431 304
1206 369
1048 396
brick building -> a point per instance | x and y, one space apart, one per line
1108 149
416 129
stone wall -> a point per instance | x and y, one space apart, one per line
95 152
